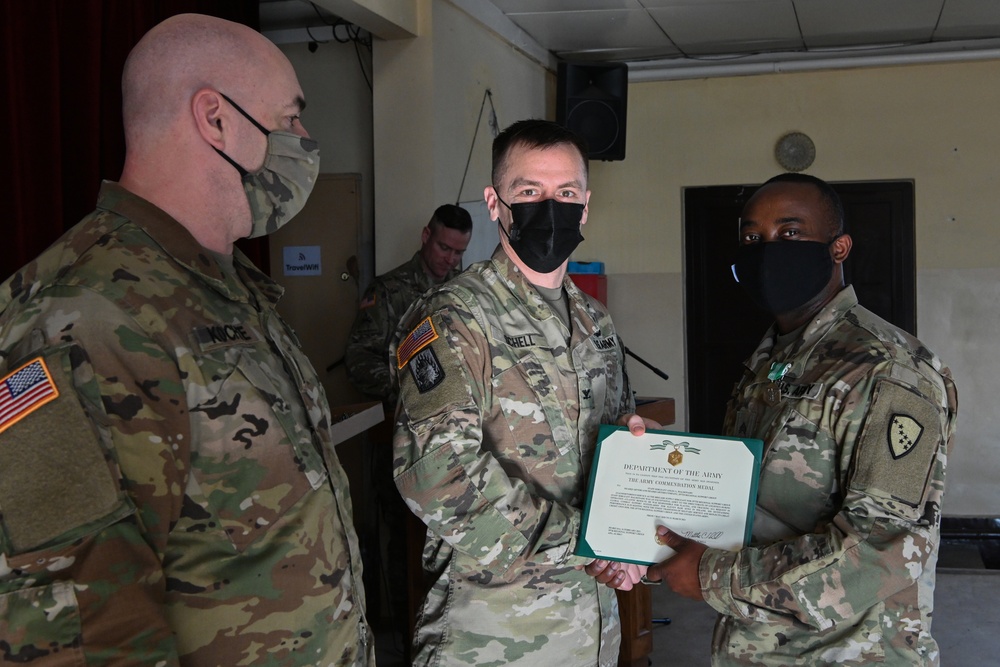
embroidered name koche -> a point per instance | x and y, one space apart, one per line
523 340
422 335
24 391
212 336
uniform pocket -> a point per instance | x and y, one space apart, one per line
252 457
42 623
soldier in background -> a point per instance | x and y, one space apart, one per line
442 243
170 491
505 374
857 419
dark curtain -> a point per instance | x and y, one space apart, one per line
60 109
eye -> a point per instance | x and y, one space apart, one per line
568 194
528 192
747 239
790 232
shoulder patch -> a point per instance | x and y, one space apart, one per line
897 445
426 369
24 391
422 335
367 302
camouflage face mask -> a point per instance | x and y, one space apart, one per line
279 189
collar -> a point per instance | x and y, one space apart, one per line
526 293
177 242
812 333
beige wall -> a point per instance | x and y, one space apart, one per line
427 98
934 124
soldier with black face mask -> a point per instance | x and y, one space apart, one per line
505 374
857 419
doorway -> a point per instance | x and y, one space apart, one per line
724 326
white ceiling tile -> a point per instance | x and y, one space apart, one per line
860 22
599 29
531 6
969 19
729 27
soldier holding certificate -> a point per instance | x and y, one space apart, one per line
857 419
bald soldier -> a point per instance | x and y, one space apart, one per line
176 499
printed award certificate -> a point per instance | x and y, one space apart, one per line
699 486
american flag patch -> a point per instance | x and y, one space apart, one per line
367 302
418 339
24 391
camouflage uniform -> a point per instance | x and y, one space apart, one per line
384 303
499 410
180 501
840 570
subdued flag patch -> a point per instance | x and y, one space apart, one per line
422 335
904 432
24 391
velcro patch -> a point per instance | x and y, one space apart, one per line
422 335
426 369
24 391
897 445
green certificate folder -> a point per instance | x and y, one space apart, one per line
700 486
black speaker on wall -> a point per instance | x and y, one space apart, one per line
592 100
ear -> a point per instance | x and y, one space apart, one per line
209 116
586 208
425 235
492 202
841 248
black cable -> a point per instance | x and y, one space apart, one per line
645 363
468 160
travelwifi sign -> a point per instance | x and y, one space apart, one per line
302 260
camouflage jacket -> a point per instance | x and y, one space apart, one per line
857 421
495 433
384 303
176 500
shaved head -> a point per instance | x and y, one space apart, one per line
178 57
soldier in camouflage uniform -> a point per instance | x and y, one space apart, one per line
505 374
443 241
171 494
857 418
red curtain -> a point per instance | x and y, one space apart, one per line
60 109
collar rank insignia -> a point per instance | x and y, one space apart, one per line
904 432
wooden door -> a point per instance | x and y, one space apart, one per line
724 326
321 307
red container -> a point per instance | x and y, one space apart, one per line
596 285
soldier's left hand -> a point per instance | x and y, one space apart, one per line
681 571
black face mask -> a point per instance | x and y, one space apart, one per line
783 275
544 233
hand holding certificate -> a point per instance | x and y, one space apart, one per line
701 487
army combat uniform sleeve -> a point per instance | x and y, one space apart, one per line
847 528
367 354
458 486
82 579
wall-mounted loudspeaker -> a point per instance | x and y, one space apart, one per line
592 100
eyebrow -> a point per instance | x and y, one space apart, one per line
299 102
781 221
524 181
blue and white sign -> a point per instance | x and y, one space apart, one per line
302 260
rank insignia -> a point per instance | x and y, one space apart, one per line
904 432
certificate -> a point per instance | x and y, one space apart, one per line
702 487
